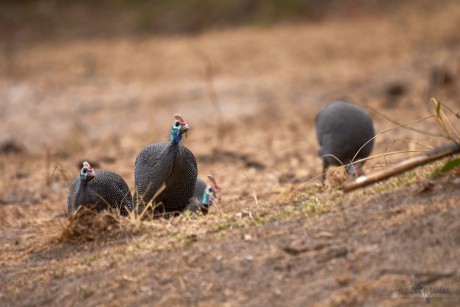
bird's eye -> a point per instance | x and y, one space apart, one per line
210 189
177 124
84 170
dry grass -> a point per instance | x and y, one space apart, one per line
86 225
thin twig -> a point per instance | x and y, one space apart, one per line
405 125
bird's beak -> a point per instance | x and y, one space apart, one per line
184 128
91 174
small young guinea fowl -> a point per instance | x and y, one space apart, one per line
205 196
167 169
99 190
342 128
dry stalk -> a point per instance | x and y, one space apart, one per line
213 97
444 123
406 126
49 177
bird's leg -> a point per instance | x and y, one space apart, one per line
323 178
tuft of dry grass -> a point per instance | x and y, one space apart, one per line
86 225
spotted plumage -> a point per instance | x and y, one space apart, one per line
99 190
342 128
168 167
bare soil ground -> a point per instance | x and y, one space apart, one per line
278 237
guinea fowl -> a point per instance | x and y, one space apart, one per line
165 173
99 190
345 134
205 196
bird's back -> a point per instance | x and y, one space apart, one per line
107 189
342 129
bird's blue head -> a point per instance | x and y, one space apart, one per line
87 172
355 170
207 196
178 128
211 193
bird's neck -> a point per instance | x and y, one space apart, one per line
175 136
86 180
84 194
167 160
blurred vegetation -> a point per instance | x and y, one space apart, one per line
35 20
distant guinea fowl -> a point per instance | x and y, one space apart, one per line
167 169
205 196
99 190
342 128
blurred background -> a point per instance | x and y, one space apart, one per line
30 21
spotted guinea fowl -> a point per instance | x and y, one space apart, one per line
204 196
165 173
99 190
345 134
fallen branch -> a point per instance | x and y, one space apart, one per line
402 167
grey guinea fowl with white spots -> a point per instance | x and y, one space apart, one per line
342 128
204 196
99 190
167 169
